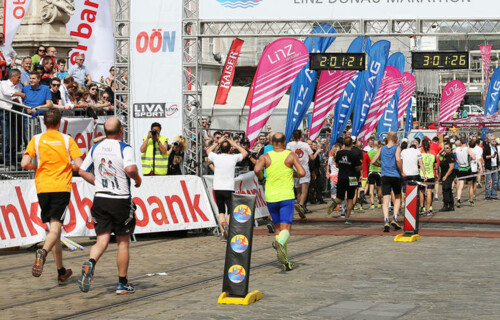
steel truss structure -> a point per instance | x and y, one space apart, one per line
194 30
122 63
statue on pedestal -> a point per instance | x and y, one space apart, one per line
57 10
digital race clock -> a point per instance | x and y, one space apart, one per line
337 61
440 60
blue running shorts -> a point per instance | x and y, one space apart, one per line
281 212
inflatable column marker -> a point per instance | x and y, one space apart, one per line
411 215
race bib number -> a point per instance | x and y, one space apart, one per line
353 181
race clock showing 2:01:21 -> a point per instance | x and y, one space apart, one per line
440 60
337 61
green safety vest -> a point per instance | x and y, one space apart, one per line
160 161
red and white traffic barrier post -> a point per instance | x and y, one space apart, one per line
410 227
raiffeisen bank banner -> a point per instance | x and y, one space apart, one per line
229 10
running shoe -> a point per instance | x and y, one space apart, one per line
360 207
395 225
422 211
37 268
225 229
300 210
436 198
387 227
124 288
307 210
333 207
288 266
479 185
348 222
270 227
474 198
62 279
430 213
472 203
458 203
357 206
223 238
372 207
281 253
379 206
275 245
87 277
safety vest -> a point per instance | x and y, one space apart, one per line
158 160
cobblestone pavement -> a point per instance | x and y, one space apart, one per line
335 277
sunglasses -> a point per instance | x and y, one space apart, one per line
40 50
56 84
105 97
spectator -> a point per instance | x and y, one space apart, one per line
79 71
52 52
37 57
48 71
94 101
65 89
176 156
7 56
315 192
55 84
490 156
111 92
25 71
10 90
37 95
61 64
447 165
154 151
107 106
109 80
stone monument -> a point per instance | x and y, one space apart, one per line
45 24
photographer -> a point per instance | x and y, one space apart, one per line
176 156
154 151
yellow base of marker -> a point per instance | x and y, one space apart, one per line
250 298
403 238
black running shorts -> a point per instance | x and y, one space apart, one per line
115 215
53 205
462 173
223 199
343 187
374 178
391 183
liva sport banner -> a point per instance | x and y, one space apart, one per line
180 204
156 69
273 10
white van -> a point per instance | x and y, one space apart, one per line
473 110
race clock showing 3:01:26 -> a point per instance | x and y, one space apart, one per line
337 61
440 60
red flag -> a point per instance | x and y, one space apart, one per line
226 79
248 100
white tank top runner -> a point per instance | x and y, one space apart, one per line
463 156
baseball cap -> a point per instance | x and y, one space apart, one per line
452 140
404 140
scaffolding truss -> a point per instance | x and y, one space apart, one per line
122 64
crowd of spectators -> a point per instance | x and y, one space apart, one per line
44 81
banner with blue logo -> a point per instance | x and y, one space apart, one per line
389 120
302 90
371 82
345 105
491 103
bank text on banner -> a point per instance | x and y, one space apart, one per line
180 204
226 78
92 25
278 67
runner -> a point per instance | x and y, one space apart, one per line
429 161
390 159
464 156
54 151
349 165
332 172
411 159
476 166
113 208
279 164
374 179
304 153
363 187
447 166
224 166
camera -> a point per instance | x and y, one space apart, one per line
154 133
176 144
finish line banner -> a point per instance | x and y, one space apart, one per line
180 204
250 10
